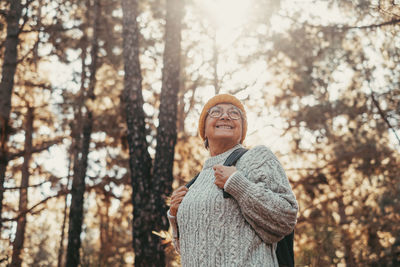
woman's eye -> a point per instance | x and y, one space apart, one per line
215 112
234 113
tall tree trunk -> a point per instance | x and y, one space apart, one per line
104 213
345 235
396 251
61 248
148 195
215 63
166 131
77 140
81 159
77 194
18 243
6 87
145 244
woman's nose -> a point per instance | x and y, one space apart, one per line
224 116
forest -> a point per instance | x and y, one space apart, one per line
99 107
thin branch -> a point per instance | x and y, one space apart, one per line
192 101
30 210
27 53
382 113
244 87
25 17
388 12
339 27
51 28
37 149
37 85
371 26
21 187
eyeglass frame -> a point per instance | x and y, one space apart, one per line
226 111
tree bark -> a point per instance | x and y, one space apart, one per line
215 63
149 191
64 223
104 213
18 243
81 159
77 194
166 131
145 244
77 141
345 235
6 87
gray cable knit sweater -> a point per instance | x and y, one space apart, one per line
238 231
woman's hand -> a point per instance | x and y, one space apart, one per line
222 173
176 199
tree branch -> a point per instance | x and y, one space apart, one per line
390 22
20 187
25 16
32 84
37 149
382 113
27 53
30 210
51 28
338 27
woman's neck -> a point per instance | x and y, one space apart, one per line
219 148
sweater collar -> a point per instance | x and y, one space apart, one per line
219 159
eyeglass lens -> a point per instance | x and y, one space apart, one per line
217 112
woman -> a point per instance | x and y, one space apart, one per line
210 230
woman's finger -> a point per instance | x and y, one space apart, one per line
179 191
177 199
179 194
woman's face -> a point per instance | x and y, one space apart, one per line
224 127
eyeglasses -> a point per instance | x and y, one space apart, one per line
217 112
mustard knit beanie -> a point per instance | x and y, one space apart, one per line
220 99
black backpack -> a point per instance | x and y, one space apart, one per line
284 249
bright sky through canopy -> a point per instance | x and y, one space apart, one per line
225 16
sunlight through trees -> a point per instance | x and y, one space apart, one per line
99 102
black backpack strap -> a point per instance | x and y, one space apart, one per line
235 156
192 181
231 161
284 251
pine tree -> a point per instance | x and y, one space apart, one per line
150 186
6 87
81 157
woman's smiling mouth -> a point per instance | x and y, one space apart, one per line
224 127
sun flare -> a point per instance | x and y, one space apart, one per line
226 15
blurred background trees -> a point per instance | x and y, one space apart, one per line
99 121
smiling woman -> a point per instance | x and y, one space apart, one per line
232 215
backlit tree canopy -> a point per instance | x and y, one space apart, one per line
99 102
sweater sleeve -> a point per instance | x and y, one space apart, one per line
175 233
264 194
